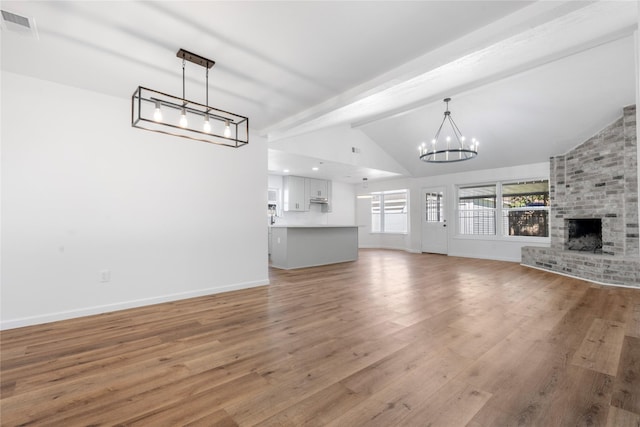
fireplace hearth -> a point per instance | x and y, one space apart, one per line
584 235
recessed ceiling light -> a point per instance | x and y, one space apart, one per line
286 171
314 169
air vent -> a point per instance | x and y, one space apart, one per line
14 23
16 19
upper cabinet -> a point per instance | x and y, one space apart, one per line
300 192
295 194
317 188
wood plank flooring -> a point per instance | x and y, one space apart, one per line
393 339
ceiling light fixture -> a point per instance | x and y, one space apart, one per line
159 112
449 150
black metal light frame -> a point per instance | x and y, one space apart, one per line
447 154
225 128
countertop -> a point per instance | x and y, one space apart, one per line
313 226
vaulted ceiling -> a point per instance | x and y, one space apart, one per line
356 86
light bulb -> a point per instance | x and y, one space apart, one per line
157 114
207 126
183 118
227 129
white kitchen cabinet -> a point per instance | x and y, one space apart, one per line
295 194
317 188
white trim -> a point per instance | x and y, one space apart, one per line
107 308
388 233
495 238
482 256
398 248
581 278
390 248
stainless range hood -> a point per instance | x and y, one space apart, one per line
319 200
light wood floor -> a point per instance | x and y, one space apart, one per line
392 339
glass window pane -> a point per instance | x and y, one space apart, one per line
395 212
526 208
476 210
389 212
477 221
526 223
434 207
477 192
525 194
376 224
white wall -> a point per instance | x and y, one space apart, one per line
491 247
83 191
343 208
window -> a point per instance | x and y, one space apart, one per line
434 207
523 211
477 210
389 212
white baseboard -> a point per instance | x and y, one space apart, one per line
99 309
458 254
393 248
485 256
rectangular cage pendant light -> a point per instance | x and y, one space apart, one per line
172 115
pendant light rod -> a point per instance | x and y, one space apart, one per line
183 97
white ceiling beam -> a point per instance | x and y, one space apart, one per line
542 32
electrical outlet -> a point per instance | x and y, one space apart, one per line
104 276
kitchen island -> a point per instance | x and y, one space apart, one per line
298 246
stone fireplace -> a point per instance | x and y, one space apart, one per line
593 215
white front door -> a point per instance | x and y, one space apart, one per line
434 221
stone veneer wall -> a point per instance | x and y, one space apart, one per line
597 179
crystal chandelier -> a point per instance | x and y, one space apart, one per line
452 148
159 112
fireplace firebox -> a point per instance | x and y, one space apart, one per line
584 234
